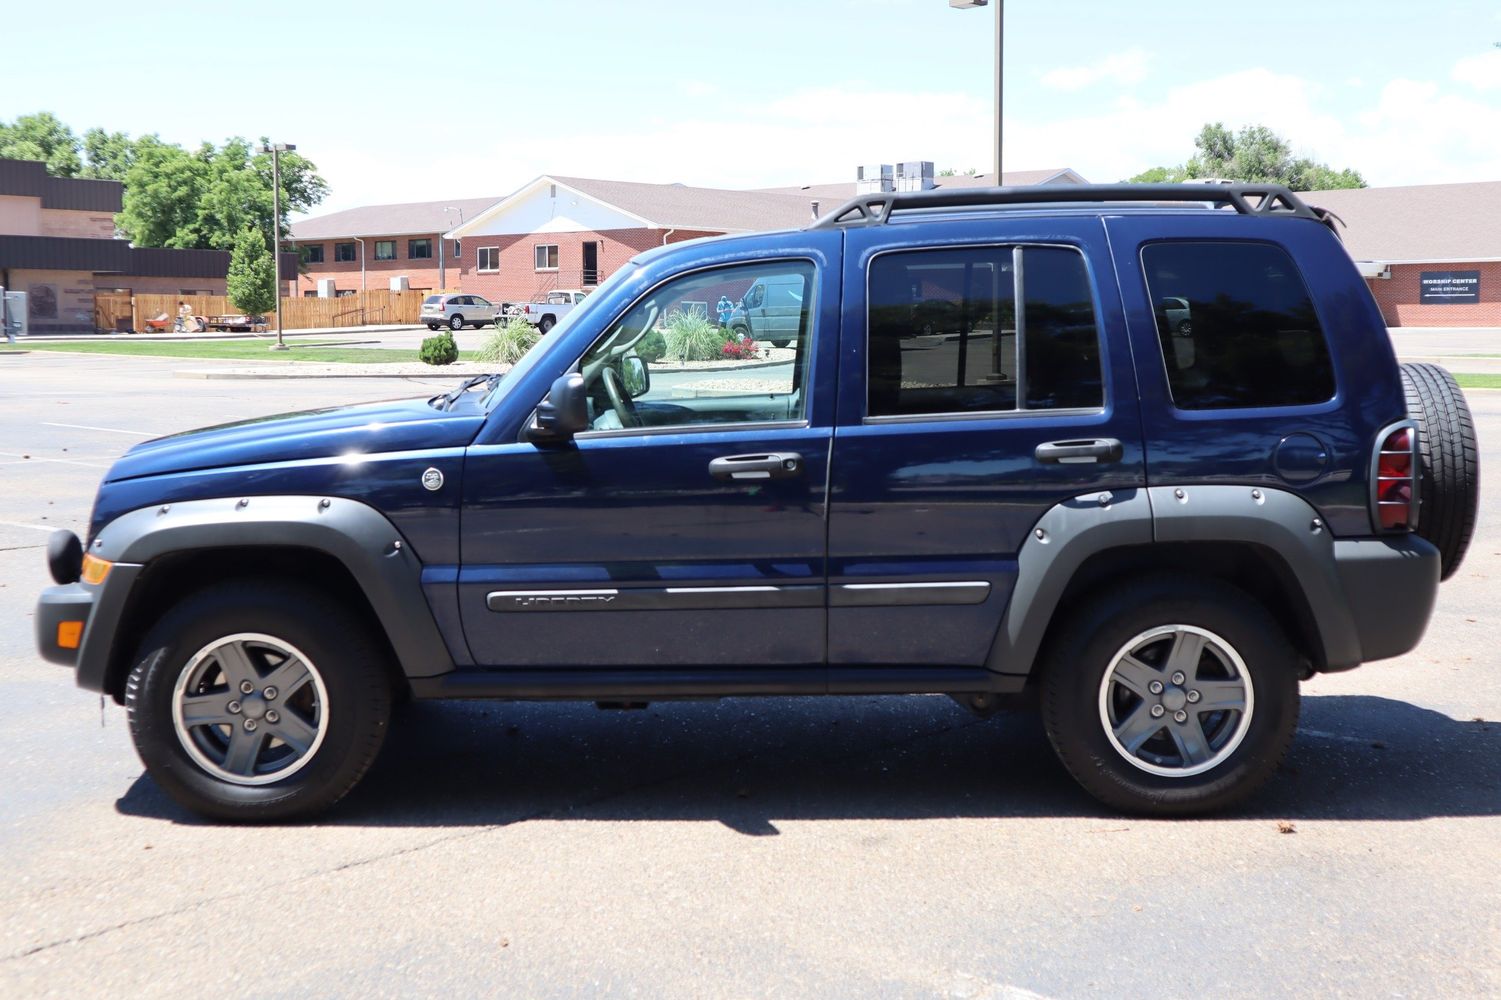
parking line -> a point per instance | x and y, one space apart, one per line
61 461
21 524
108 430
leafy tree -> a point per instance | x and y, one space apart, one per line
42 137
1255 153
107 155
252 273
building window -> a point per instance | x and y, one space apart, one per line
344 252
344 293
385 249
1237 326
546 255
419 249
310 295
489 258
458 250
312 253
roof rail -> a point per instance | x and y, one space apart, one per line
1247 199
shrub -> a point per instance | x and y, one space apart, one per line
652 347
512 338
251 283
439 350
740 349
690 336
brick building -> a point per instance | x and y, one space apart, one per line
57 245
1431 252
365 248
555 232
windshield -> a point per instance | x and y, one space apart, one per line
544 344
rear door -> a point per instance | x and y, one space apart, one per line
962 419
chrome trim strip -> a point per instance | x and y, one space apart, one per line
659 598
857 595
914 586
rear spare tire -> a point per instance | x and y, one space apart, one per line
1448 461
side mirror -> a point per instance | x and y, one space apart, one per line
636 375
563 413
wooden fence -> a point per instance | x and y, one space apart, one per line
373 308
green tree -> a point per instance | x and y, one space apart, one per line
163 187
252 273
42 137
1255 153
107 155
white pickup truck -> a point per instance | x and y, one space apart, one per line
545 315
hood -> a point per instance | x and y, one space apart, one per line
368 428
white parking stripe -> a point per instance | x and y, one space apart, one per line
59 461
20 524
107 430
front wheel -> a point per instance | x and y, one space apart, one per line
257 702
1172 698
456 323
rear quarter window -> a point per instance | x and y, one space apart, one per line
1236 325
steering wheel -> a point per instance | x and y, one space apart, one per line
619 401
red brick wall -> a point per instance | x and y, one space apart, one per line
518 280
378 273
1398 297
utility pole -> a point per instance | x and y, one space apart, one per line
276 150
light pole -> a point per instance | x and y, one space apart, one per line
442 280
276 149
1000 24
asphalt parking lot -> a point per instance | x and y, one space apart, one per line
817 847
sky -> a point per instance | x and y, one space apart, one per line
455 99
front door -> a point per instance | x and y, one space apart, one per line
591 264
686 527
968 366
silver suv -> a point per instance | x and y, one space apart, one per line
457 311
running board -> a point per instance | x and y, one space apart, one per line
563 684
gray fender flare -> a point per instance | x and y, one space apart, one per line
1073 531
357 535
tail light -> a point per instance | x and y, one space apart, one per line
1394 485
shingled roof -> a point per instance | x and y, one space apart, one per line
1424 222
683 207
413 218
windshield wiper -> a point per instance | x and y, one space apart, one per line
488 381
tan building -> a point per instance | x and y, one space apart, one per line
58 246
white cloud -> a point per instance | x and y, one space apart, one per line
1122 67
1483 72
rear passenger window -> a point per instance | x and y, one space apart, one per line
944 335
1236 325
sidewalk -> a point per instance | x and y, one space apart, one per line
286 334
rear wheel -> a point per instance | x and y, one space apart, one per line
1448 462
546 324
1173 698
433 327
254 702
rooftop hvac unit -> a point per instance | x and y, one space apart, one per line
400 284
874 179
326 288
915 175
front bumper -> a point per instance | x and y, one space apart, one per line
100 609
56 610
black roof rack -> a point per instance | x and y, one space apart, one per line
1247 199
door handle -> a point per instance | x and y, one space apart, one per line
1089 451
778 465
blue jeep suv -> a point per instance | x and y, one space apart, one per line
1140 454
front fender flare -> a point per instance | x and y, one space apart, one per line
355 534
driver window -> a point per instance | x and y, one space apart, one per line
691 353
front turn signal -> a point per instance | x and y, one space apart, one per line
69 634
95 569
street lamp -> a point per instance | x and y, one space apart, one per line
1000 20
442 279
276 149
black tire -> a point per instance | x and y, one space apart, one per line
456 323
1448 462
546 324
350 664
780 343
433 327
1085 647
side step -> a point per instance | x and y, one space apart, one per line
638 685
